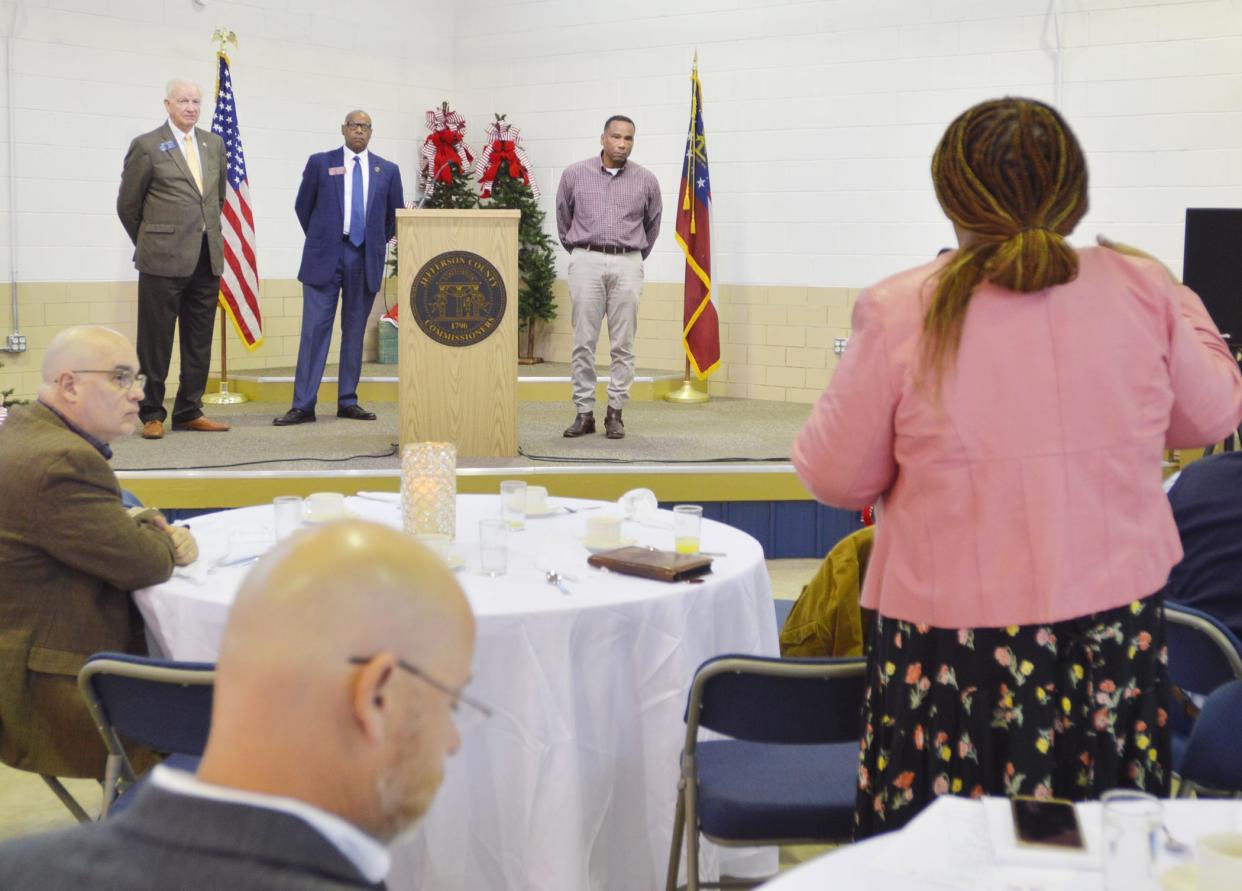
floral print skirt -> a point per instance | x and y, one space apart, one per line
1068 709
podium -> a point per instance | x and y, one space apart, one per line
458 288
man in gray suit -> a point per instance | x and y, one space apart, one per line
172 189
341 669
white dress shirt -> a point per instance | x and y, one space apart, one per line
368 855
364 159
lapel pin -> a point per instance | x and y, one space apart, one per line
375 169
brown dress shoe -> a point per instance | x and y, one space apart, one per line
202 424
583 424
613 428
153 429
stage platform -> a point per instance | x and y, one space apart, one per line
729 454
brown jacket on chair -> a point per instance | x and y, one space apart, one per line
69 553
161 208
826 620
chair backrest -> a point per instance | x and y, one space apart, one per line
163 705
762 699
1211 758
1203 652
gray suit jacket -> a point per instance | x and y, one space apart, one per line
165 840
161 208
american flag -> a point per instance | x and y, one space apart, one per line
701 334
239 285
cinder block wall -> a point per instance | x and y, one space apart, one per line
821 119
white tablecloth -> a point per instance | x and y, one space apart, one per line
571 784
962 844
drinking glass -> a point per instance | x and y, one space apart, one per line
288 512
513 504
687 523
494 546
1132 822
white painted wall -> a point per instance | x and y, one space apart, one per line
90 76
822 116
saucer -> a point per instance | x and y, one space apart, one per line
599 549
454 561
546 512
346 514
1183 877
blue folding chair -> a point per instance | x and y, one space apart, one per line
1211 765
1203 655
787 774
165 706
783 609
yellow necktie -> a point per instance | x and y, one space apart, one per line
191 158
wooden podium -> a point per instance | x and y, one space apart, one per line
458 289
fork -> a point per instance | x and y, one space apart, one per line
578 510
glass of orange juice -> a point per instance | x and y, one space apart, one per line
687 524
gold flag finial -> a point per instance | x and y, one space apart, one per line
223 37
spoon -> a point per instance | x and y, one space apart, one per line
554 578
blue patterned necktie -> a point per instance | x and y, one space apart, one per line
357 207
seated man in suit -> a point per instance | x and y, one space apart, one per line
342 663
1207 506
70 553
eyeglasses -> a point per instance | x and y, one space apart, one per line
122 377
474 713
365 128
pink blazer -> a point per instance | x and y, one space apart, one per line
1031 490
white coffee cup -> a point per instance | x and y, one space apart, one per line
1220 861
324 506
536 500
603 532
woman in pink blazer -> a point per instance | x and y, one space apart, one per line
1009 403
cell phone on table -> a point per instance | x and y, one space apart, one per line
1046 822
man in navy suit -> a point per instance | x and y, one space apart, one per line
347 206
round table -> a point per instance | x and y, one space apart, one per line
572 783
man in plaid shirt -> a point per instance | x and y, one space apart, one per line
607 216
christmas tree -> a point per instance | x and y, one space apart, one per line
506 182
447 181
536 257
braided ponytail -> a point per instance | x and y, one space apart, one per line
1010 172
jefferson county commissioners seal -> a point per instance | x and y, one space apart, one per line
458 298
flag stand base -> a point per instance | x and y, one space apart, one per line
224 397
686 394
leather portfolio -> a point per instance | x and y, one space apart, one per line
664 566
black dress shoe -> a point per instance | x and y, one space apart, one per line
614 428
294 416
584 423
355 413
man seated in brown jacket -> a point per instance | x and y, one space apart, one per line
69 551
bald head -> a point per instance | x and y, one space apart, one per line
80 380
347 589
312 701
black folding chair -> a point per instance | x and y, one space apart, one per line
787 774
165 706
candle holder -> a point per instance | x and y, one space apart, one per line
429 488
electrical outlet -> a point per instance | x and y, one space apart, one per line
16 343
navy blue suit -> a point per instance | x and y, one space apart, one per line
1207 505
332 266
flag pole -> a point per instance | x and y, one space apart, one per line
224 396
221 37
687 394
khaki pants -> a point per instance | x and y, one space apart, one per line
604 285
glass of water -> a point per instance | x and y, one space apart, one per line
494 546
513 504
1132 822
288 511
